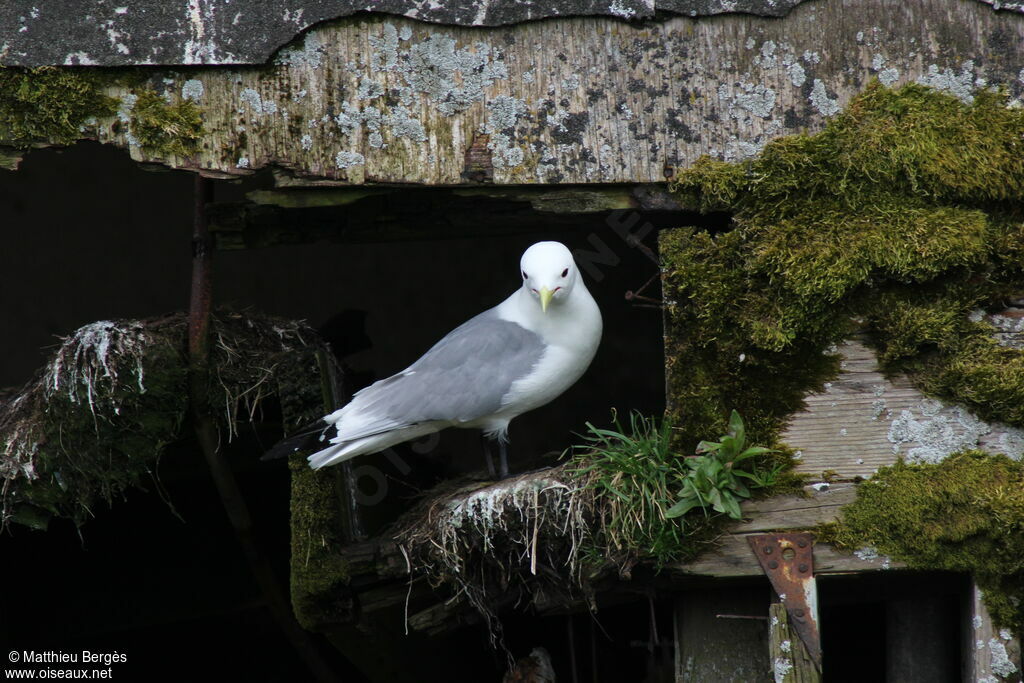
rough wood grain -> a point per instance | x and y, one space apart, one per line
789 658
863 421
820 504
373 99
993 655
734 559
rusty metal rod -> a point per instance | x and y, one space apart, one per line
200 309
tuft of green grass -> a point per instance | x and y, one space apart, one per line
643 487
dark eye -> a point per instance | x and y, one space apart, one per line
525 276
565 272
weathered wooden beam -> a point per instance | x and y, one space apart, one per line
992 654
732 556
374 99
789 659
864 420
382 563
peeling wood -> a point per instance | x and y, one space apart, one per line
374 99
864 421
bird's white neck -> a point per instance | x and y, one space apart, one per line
571 321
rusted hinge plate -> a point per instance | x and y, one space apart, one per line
788 561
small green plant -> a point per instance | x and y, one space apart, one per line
713 478
633 474
645 487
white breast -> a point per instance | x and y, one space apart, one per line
571 333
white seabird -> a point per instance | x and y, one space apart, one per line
510 359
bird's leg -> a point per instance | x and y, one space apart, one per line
487 456
503 458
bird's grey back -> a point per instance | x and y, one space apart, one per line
462 377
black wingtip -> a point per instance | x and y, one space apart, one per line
307 439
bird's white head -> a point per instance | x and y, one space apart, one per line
549 273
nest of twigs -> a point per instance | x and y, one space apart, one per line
524 540
97 416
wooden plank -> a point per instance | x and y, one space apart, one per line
863 421
376 99
795 512
722 636
789 658
733 558
993 655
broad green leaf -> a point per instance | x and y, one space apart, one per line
751 452
736 427
732 508
682 507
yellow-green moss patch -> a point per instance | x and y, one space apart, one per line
50 104
903 215
964 514
319 572
165 128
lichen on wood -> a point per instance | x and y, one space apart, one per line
377 99
95 420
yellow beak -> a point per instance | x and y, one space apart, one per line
545 298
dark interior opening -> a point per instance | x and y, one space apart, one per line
92 236
893 626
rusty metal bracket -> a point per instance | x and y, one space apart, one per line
788 561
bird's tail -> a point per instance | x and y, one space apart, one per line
332 455
346 450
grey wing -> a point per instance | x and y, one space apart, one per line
463 377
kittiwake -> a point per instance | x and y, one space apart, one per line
510 359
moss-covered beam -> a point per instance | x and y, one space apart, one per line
965 514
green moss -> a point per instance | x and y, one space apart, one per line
902 215
112 399
319 573
50 104
166 128
964 514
